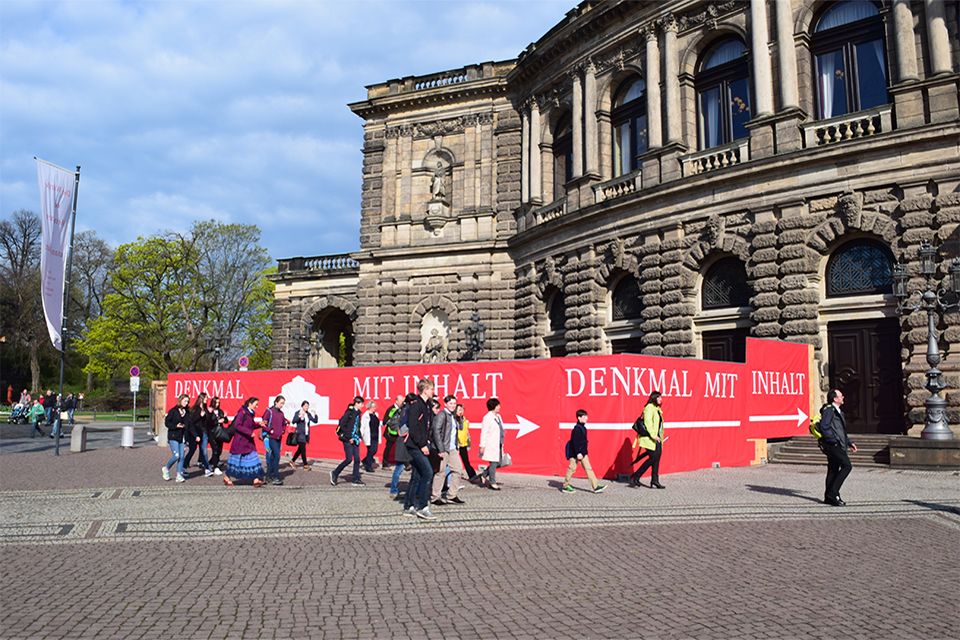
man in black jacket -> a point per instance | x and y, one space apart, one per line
419 421
835 442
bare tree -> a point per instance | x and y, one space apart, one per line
22 310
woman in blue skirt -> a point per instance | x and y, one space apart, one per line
244 461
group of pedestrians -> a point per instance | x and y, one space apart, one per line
45 409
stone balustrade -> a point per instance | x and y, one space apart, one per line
728 155
851 126
618 187
440 80
336 263
552 211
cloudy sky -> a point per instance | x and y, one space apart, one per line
180 110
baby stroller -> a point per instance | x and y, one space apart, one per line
18 415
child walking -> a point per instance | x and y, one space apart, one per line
577 453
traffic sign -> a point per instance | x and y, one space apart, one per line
134 371
244 362
134 383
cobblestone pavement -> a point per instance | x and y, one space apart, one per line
96 545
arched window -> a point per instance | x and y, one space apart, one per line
562 155
626 299
860 267
557 312
725 285
723 93
851 62
629 118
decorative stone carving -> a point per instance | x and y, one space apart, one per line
439 127
713 230
434 332
709 15
475 336
850 209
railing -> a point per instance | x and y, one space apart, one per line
337 263
552 211
618 187
450 77
716 158
862 124
440 80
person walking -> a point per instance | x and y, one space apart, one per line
463 442
401 458
274 426
70 406
348 430
48 402
302 420
576 453
244 461
419 421
445 443
391 431
35 415
370 433
835 443
176 423
196 436
215 418
491 443
649 428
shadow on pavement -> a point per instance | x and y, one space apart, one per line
935 506
781 491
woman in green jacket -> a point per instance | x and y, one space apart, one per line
650 442
34 415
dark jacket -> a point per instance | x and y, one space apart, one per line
175 422
348 429
69 403
244 426
215 417
442 429
197 421
833 426
301 419
419 419
274 423
578 441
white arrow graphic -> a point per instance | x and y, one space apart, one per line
619 426
799 416
522 426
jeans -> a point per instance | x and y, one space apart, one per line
176 448
418 492
70 413
585 461
273 459
370 458
48 414
192 446
395 481
838 468
351 453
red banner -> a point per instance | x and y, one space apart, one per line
712 411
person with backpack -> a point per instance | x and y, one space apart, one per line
835 443
401 458
576 453
348 431
244 461
302 420
419 419
35 415
274 426
391 430
649 428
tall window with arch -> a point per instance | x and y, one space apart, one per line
625 315
562 154
860 267
723 93
555 338
629 119
724 319
851 62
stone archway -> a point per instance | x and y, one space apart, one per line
327 332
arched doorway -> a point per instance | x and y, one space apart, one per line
723 319
863 336
331 340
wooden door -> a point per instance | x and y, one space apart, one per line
726 346
865 365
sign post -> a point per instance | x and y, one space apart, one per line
243 363
134 387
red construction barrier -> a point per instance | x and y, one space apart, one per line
712 411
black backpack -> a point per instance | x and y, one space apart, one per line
344 427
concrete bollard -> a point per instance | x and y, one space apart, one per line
126 436
78 439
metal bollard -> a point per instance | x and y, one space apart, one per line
126 436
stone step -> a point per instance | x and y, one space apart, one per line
872 450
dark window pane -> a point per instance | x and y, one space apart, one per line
860 267
629 93
724 52
626 299
832 85
557 312
711 135
871 74
739 107
846 12
640 143
725 285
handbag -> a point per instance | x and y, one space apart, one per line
222 433
292 439
505 460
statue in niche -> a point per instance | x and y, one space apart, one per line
435 351
475 333
438 185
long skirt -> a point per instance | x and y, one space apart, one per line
245 467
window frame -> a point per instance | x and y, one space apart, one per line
722 76
629 112
746 290
829 290
562 154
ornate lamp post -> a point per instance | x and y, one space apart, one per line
935 299
217 350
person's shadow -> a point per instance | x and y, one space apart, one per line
623 462
781 491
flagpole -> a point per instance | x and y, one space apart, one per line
63 323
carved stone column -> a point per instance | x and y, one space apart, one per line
654 122
934 10
577 125
786 56
536 162
759 44
590 118
525 151
671 77
904 41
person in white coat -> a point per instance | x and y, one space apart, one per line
491 442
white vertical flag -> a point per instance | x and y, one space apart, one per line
56 202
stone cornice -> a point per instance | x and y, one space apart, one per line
438 127
443 95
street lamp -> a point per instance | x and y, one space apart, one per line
217 350
934 300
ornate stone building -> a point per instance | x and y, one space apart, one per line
665 178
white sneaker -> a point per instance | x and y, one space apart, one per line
424 514
217 472
165 472
180 478
410 511
207 473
